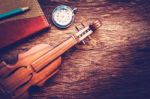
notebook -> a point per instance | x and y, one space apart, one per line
23 25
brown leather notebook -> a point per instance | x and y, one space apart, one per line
22 25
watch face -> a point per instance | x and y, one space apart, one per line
62 16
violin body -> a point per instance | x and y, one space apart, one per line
17 78
35 66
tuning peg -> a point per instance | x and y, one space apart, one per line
83 42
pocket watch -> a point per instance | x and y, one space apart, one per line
63 16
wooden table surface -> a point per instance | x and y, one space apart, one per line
114 63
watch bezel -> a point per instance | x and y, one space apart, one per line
60 7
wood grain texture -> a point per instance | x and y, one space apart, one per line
114 64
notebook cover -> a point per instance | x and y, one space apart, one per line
23 25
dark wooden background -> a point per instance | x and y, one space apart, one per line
114 64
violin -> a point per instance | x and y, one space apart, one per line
37 65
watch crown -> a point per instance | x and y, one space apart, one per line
75 10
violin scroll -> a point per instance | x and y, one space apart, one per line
95 25
86 31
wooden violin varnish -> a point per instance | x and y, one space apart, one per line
34 67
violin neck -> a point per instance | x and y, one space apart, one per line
51 55
54 53
64 46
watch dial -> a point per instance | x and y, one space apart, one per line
62 16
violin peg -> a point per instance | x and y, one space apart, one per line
83 42
82 25
76 28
